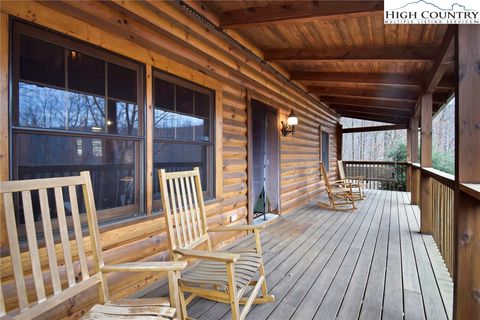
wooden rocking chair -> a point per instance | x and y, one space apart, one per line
219 276
340 193
356 182
55 291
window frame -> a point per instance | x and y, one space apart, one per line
327 163
212 192
18 28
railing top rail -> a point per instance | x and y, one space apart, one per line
375 162
414 164
473 189
442 177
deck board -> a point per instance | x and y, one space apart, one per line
371 263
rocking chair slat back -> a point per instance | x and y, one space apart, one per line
30 196
325 177
184 209
341 170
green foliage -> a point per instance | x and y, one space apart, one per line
399 154
443 161
440 161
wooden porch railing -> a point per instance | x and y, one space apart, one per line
440 196
379 175
443 227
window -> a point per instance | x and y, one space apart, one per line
77 108
183 130
325 153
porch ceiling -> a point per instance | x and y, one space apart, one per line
342 51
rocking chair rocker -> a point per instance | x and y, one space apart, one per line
340 193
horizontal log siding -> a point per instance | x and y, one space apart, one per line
199 55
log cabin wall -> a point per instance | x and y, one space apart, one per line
165 37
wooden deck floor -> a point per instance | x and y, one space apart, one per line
368 264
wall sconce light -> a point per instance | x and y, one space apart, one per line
289 127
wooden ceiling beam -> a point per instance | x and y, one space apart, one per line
392 94
371 109
390 79
366 112
415 53
298 12
445 57
373 117
380 94
385 104
376 128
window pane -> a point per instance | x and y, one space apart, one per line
122 118
42 62
325 153
122 83
111 163
184 100
179 157
170 125
184 125
202 105
164 124
85 113
43 107
164 94
86 73
202 129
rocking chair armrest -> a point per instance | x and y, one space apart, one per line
207 255
237 228
361 178
162 266
341 181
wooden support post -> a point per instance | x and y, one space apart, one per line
409 159
339 144
415 172
426 105
4 125
467 152
339 141
415 185
149 141
426 162
414 144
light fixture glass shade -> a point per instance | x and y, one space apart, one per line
292 119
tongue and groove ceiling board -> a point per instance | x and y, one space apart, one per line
342 53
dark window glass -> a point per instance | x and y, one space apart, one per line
122 83
202 130
202 105
164 94
183 131
325 151
122 118
86 73
61 85
111 163
171 125
41 62
179 157
164 124
184 100
43 107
